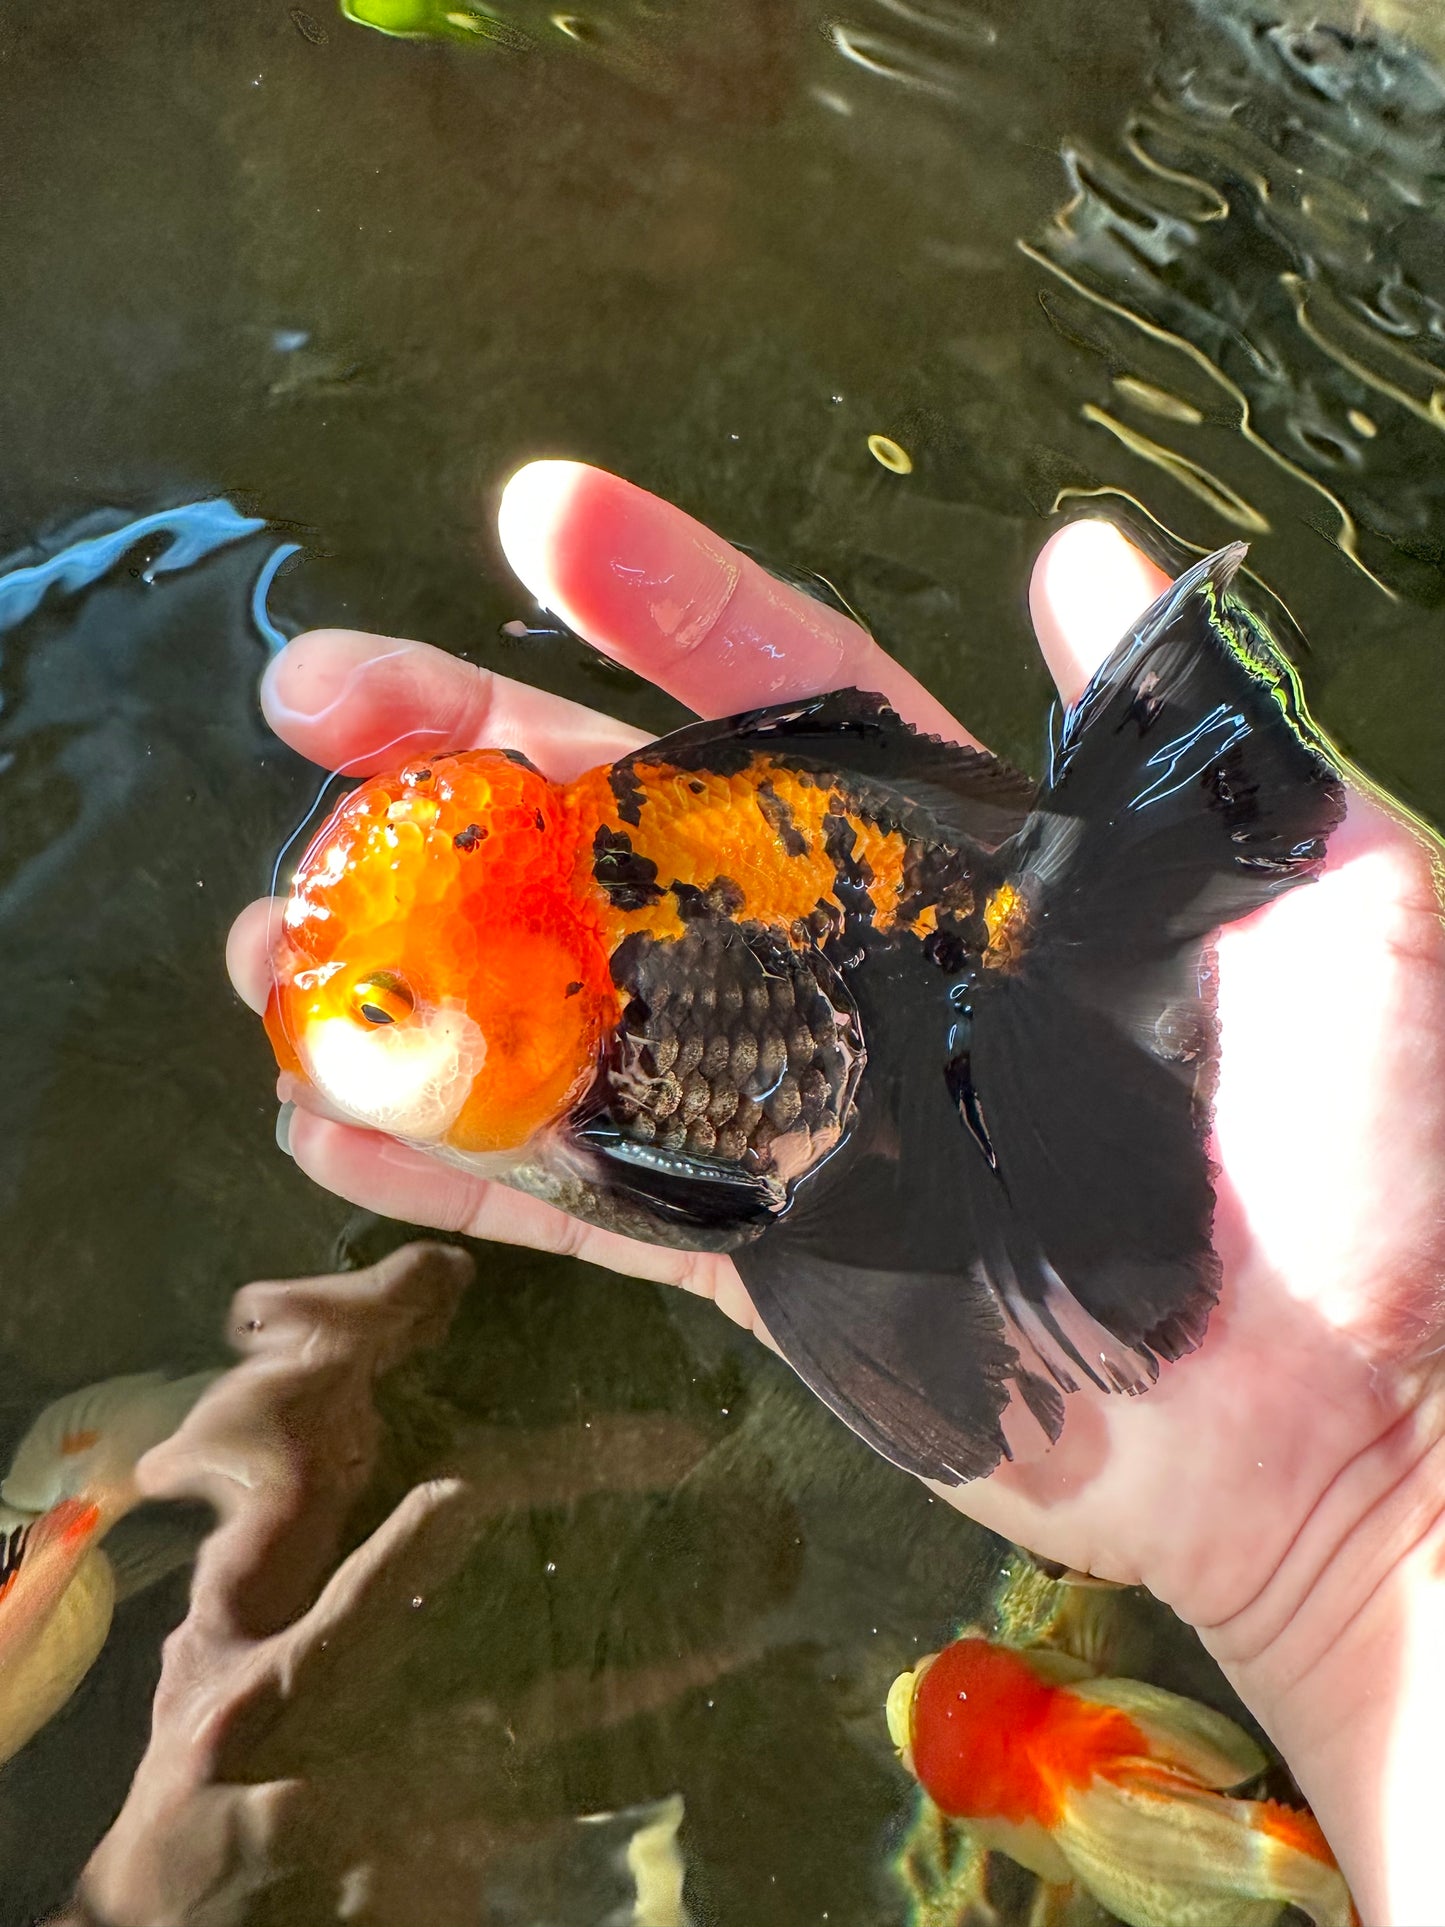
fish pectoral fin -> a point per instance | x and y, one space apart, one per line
1162 1854
679 1190
1026 1841
1192 1739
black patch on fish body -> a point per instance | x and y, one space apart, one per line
779 818
12 1553
721 898
733 1046
629 880
627 792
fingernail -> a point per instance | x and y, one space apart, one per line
629 572
283 1127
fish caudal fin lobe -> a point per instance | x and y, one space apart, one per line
1024 1202
870 1283
1158 1853
1188 788
88 1442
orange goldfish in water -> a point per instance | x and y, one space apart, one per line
928 1047
72 1480
1111 1784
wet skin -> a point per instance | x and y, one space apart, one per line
1281 1489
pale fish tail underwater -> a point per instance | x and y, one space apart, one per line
71 1482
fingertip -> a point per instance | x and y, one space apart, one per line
313 676
1089 584
535 506
641 579
248 951
377 1172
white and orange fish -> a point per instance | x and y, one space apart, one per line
73 1478
1111 1785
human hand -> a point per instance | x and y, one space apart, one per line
1276 1488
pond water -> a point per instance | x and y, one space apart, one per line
1181 262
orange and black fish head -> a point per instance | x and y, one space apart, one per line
435 975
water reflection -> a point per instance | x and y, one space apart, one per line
1247 264
248 1788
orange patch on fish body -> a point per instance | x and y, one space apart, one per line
77 1442
1005 918
771 834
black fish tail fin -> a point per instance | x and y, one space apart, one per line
1188 788
1187 784
1025 1203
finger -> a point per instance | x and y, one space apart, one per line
355 703
652 588
398 1181
249 946
1089 584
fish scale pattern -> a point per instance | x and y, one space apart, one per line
732 1045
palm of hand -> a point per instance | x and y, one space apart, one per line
1301 1410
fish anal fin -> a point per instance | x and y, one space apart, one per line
917 1365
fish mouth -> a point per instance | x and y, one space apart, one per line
899 1709
410 1080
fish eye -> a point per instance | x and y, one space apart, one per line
383 998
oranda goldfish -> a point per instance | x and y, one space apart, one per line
71 1481
928 1047
1111 1784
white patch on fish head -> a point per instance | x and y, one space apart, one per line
409 1079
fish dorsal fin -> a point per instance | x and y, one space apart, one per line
87 1443
891 772
1193 1739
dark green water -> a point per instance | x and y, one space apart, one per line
1185 257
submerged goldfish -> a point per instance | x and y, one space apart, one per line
1111 1784
928 1047
72 1480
